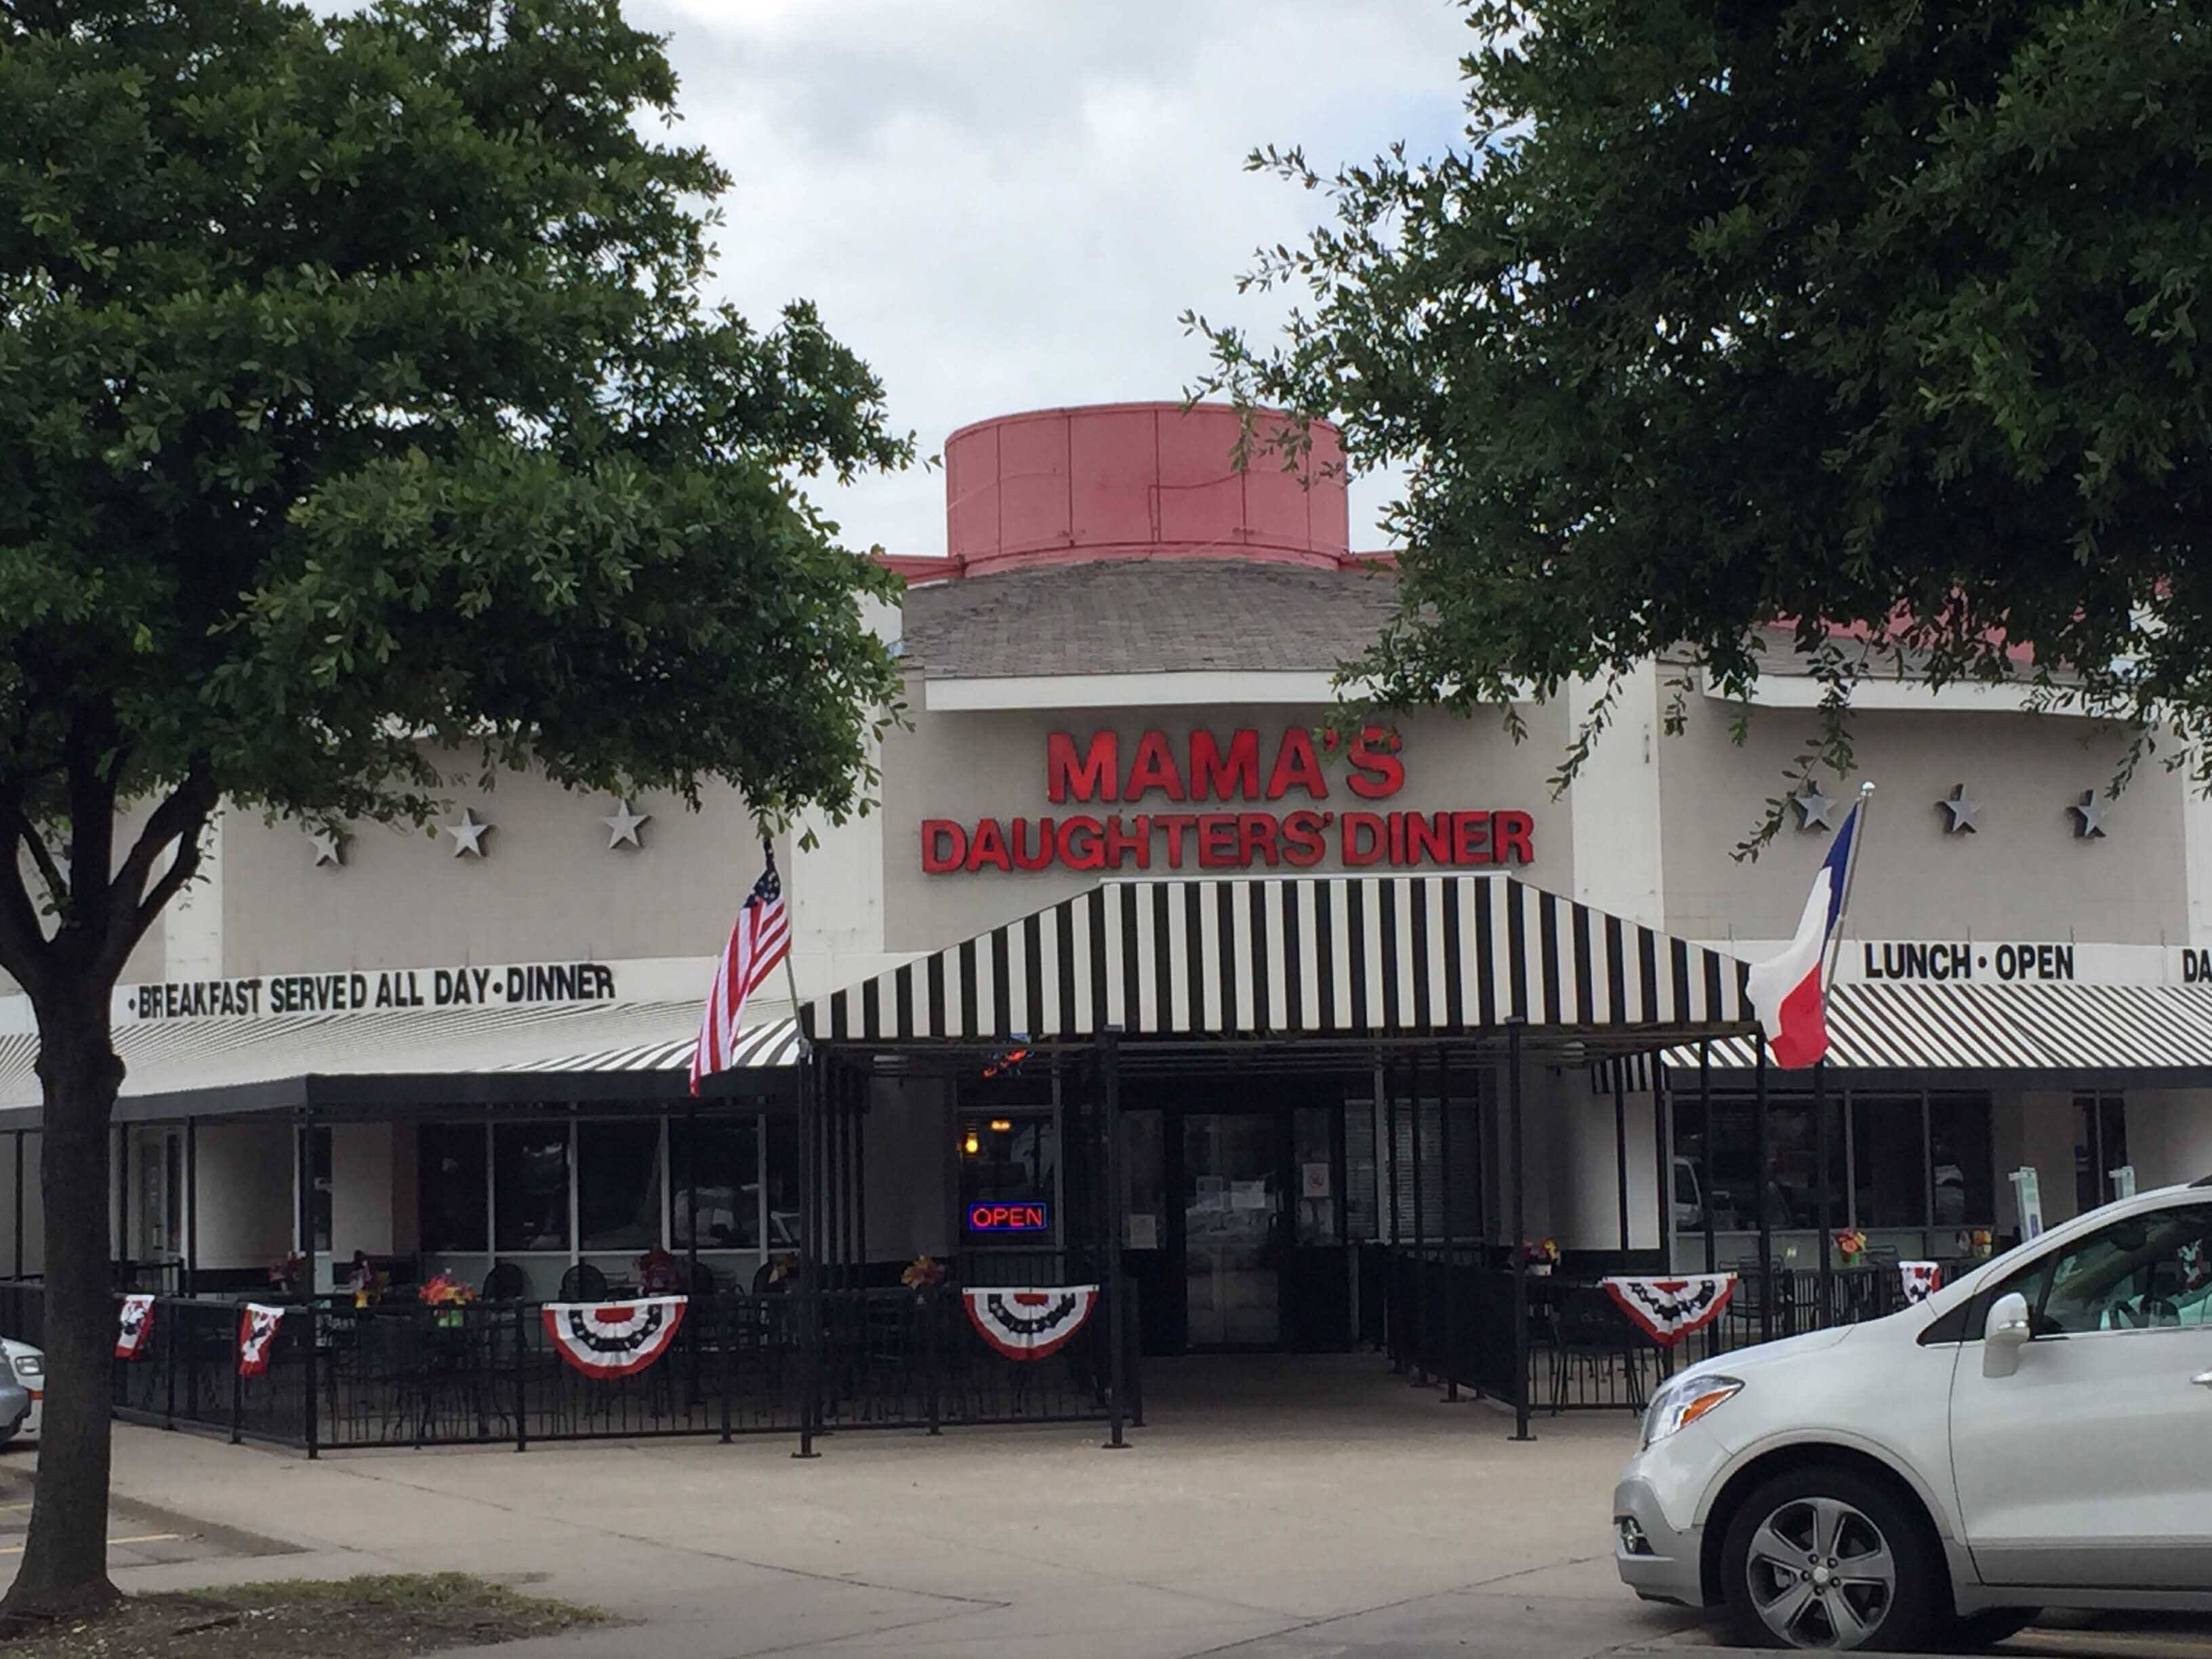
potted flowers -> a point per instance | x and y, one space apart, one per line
284 1276
922 1274
1541 1255
659 1273
447 1296
1851 1246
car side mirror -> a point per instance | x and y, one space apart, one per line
2006 1331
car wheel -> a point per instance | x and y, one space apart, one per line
1973 1632
1825 1557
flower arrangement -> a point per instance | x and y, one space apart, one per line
657 1272
1541 1254
1980 1243
921 1273
448 1296
1851 1244
287 1273
367 1282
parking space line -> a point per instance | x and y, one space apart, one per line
142 1538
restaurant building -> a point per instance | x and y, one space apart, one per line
1112 824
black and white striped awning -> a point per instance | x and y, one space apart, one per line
1296 956
2147 1036
615 1048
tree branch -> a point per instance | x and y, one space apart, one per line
22 940
131 907
12 818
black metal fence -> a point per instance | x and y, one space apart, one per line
411 1374
1448 1316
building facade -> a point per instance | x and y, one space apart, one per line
467 1047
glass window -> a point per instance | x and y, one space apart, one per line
319 1200
1889 1168
727 1190
1791 1187
449 1186
531 1193
618 1185
1959 1146
785 1175
2101 1146
1313 1150
2147 1271
1010 1163
1145 1169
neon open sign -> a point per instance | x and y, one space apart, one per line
1009 1218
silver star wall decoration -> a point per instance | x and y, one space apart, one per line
468 834
329 846
1962 808
1814 809
624 825
2089 816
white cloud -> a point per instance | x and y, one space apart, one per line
1003 204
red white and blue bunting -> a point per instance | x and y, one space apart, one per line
616 1339
1921 1280
133 1326
1668 1309
1029 1324
257 1329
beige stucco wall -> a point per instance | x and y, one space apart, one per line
971 765
2023 875
547 889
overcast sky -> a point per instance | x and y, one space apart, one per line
1005 204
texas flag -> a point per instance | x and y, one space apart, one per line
1785 989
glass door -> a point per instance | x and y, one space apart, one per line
1233 1215
157 1157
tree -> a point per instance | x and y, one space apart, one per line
1874 324
358 403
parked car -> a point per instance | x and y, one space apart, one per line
2038 1434
27 1369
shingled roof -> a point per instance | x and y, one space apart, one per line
1144 616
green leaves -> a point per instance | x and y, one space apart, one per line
356 393
1730 317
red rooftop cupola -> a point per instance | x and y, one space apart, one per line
1133 481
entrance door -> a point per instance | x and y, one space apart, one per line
1232 1224
157 1157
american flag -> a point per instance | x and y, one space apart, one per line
757 944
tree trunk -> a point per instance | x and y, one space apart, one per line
65 1569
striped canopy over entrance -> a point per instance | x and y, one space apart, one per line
1292 956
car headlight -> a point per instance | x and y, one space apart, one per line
1684 1400
30 1364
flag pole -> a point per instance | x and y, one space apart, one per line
1850 870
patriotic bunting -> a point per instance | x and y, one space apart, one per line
1921 1280
609 1340
135 1325
257 1329
1668 1309
1032 1323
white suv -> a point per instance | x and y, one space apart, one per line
2038 1434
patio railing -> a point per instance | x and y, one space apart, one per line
408 1374
1448 1316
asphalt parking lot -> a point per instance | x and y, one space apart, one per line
1275 1509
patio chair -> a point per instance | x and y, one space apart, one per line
583 1283
505 1283
1594 1336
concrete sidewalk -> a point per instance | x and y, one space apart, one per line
1275 1508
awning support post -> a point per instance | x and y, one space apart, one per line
1621 1152
698 1308
19 1203
810 1309
1420 1227
191 1203
1706 1147
1513 1092
1449 1277
1820 1177
308 1256
1110 1070
1762 1132
1394 1312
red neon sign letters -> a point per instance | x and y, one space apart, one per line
1009 1218
1236 769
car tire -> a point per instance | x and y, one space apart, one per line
1868 1572
8 1434
1977 1633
